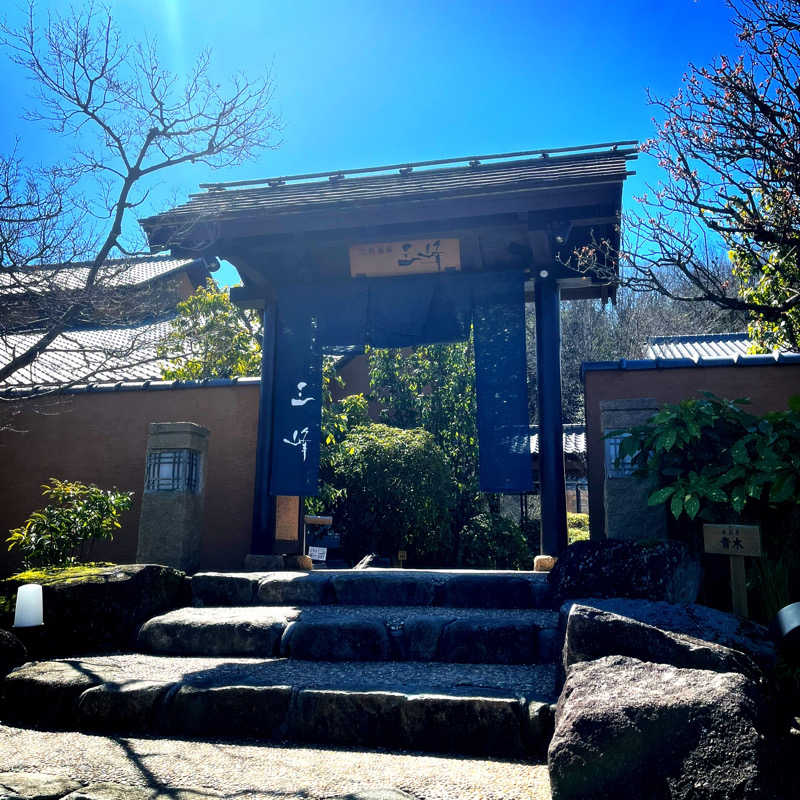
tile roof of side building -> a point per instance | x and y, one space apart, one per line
707 345
114 274
697 350
94 355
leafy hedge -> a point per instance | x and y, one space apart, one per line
391 492
491 541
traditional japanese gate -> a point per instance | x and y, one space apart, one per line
409 254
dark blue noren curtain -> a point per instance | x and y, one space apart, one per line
501 382
403 312
418 309
297 401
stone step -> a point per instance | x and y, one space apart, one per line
359 633
460 708
374 587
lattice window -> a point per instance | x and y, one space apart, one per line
615 466
173 471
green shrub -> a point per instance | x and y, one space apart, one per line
61 534
391 491
714 461
492 541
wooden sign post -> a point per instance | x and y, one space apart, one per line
737 542
402 557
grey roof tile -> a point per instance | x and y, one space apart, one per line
99 355
115 274
487 178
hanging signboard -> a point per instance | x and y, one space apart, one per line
413 256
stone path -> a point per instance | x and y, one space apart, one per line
157 769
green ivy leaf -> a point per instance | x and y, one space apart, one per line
676 506
739 452
692 505
660 495
716 495
738 498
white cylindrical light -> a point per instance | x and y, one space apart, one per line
29 606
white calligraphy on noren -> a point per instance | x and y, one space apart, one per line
299 439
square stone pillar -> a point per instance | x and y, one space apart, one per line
627 514
171 523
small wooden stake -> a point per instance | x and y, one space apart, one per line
738 586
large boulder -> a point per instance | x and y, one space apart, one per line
689 619
662 570
102 611
593 633
628 728
12 652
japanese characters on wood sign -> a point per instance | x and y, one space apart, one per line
382 259
732 540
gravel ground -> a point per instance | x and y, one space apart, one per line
246 771
534 681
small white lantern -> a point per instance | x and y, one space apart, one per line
29 606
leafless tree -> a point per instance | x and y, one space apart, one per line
129 119
729 143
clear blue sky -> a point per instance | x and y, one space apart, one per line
360 83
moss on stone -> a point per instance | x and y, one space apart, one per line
60 574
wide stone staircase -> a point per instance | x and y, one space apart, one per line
440 661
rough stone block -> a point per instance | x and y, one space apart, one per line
254 631
223 589
127 707
541 722
612 568
46 693
484 725
488 591
295 588
592 633
383 588
263 563
627 728
699 622
102 612
490 642
238 711
12 652
336 639
549 641
342 717
421 636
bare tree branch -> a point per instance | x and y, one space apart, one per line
129 119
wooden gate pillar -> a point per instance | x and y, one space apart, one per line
263 538
547 304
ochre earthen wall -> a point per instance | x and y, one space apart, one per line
768 388
101 438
